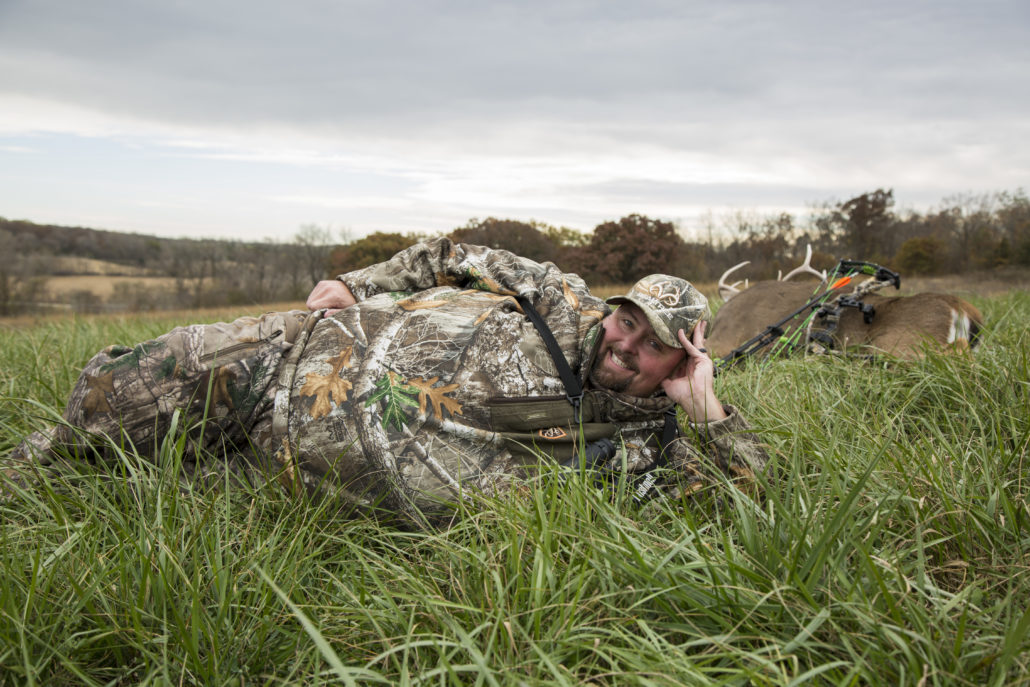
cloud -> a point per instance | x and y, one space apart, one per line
574 108
338 65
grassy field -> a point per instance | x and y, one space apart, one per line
893 547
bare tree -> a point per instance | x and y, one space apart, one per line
315 243
22 280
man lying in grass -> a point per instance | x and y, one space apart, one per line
421 379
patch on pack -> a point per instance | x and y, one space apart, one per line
553 433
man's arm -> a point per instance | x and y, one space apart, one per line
441 262
728 446
720 434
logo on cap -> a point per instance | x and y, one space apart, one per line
665 293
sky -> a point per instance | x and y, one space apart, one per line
248 119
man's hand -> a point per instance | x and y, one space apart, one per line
692 384
332 294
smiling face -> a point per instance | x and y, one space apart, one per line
632 359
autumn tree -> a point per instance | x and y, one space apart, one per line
565 237
372 249
622 252
569 244
771 243
1014 222
862 226
920 255
518 237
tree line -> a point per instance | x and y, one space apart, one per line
968 232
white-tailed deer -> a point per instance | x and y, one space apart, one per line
897 326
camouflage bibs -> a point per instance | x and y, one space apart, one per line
546 424
531 427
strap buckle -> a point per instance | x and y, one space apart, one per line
577 406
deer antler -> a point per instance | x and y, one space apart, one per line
806 266
728 291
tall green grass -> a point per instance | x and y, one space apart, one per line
891 547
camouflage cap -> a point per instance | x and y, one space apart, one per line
670 304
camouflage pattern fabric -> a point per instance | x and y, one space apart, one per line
221 378
436 384
433 386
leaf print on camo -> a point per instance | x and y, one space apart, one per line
398 394
328 387
437 396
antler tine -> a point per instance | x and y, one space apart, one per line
728 291
806 266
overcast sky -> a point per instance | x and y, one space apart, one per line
248 118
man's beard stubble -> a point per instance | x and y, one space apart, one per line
603 379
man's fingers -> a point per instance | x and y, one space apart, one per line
696 347
699 334
685 342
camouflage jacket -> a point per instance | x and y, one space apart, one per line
435 382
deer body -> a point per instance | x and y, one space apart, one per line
901 326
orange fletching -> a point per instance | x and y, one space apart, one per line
843 281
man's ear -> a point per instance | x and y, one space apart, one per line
681 369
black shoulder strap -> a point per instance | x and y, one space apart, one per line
573 389
669 432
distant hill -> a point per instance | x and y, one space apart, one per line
21 237
72 265
94 270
